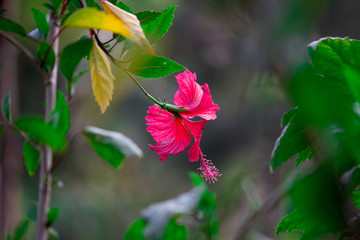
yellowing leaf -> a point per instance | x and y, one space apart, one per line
101 77
96 19
132 24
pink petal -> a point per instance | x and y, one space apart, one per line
196 131
205 109
169 132
190 93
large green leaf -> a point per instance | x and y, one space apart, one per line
136 230
295 221
10 26
331 56
291 141
148 66
6 107
113 147
41 22
147 17
60 116
157 29
40 132
31 157
72 55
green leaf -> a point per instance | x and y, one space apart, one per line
148 66
43 49
92 3
10 26
157 29
60 116
286 117
72 55
295 221
52 216
31 157
307 153
55 4
76 80
41 22
40 132
147 17
331 56
113 147
123 6
53 234
2 11
207 203
173 231
6 107
197 180
8 237
136 230
21 229
356 198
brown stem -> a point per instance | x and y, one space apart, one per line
45 178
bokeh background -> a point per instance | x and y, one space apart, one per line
246 51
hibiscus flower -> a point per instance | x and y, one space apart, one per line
172 129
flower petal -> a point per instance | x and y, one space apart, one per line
169 132
190 93
195 98
196 131
205 109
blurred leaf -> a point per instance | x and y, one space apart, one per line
32 211
43 49
31 157
41 22
331 56
10 26
304 155
318 199
291 141
113 147
157 29
52 216
60 115
20 230
74 5
1 129
55 4
8 237
131 23
197 179
136 230
93 4
6 107
295 221
356 198
53 234
40 132
72 55
286 117
123 6
157 215
76 79
173 231
101 77
148 66
207 203
2 11
147 17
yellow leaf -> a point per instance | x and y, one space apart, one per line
101 77
96 19
132 24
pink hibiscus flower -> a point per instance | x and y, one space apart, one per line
173 131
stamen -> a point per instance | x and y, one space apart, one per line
208 170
